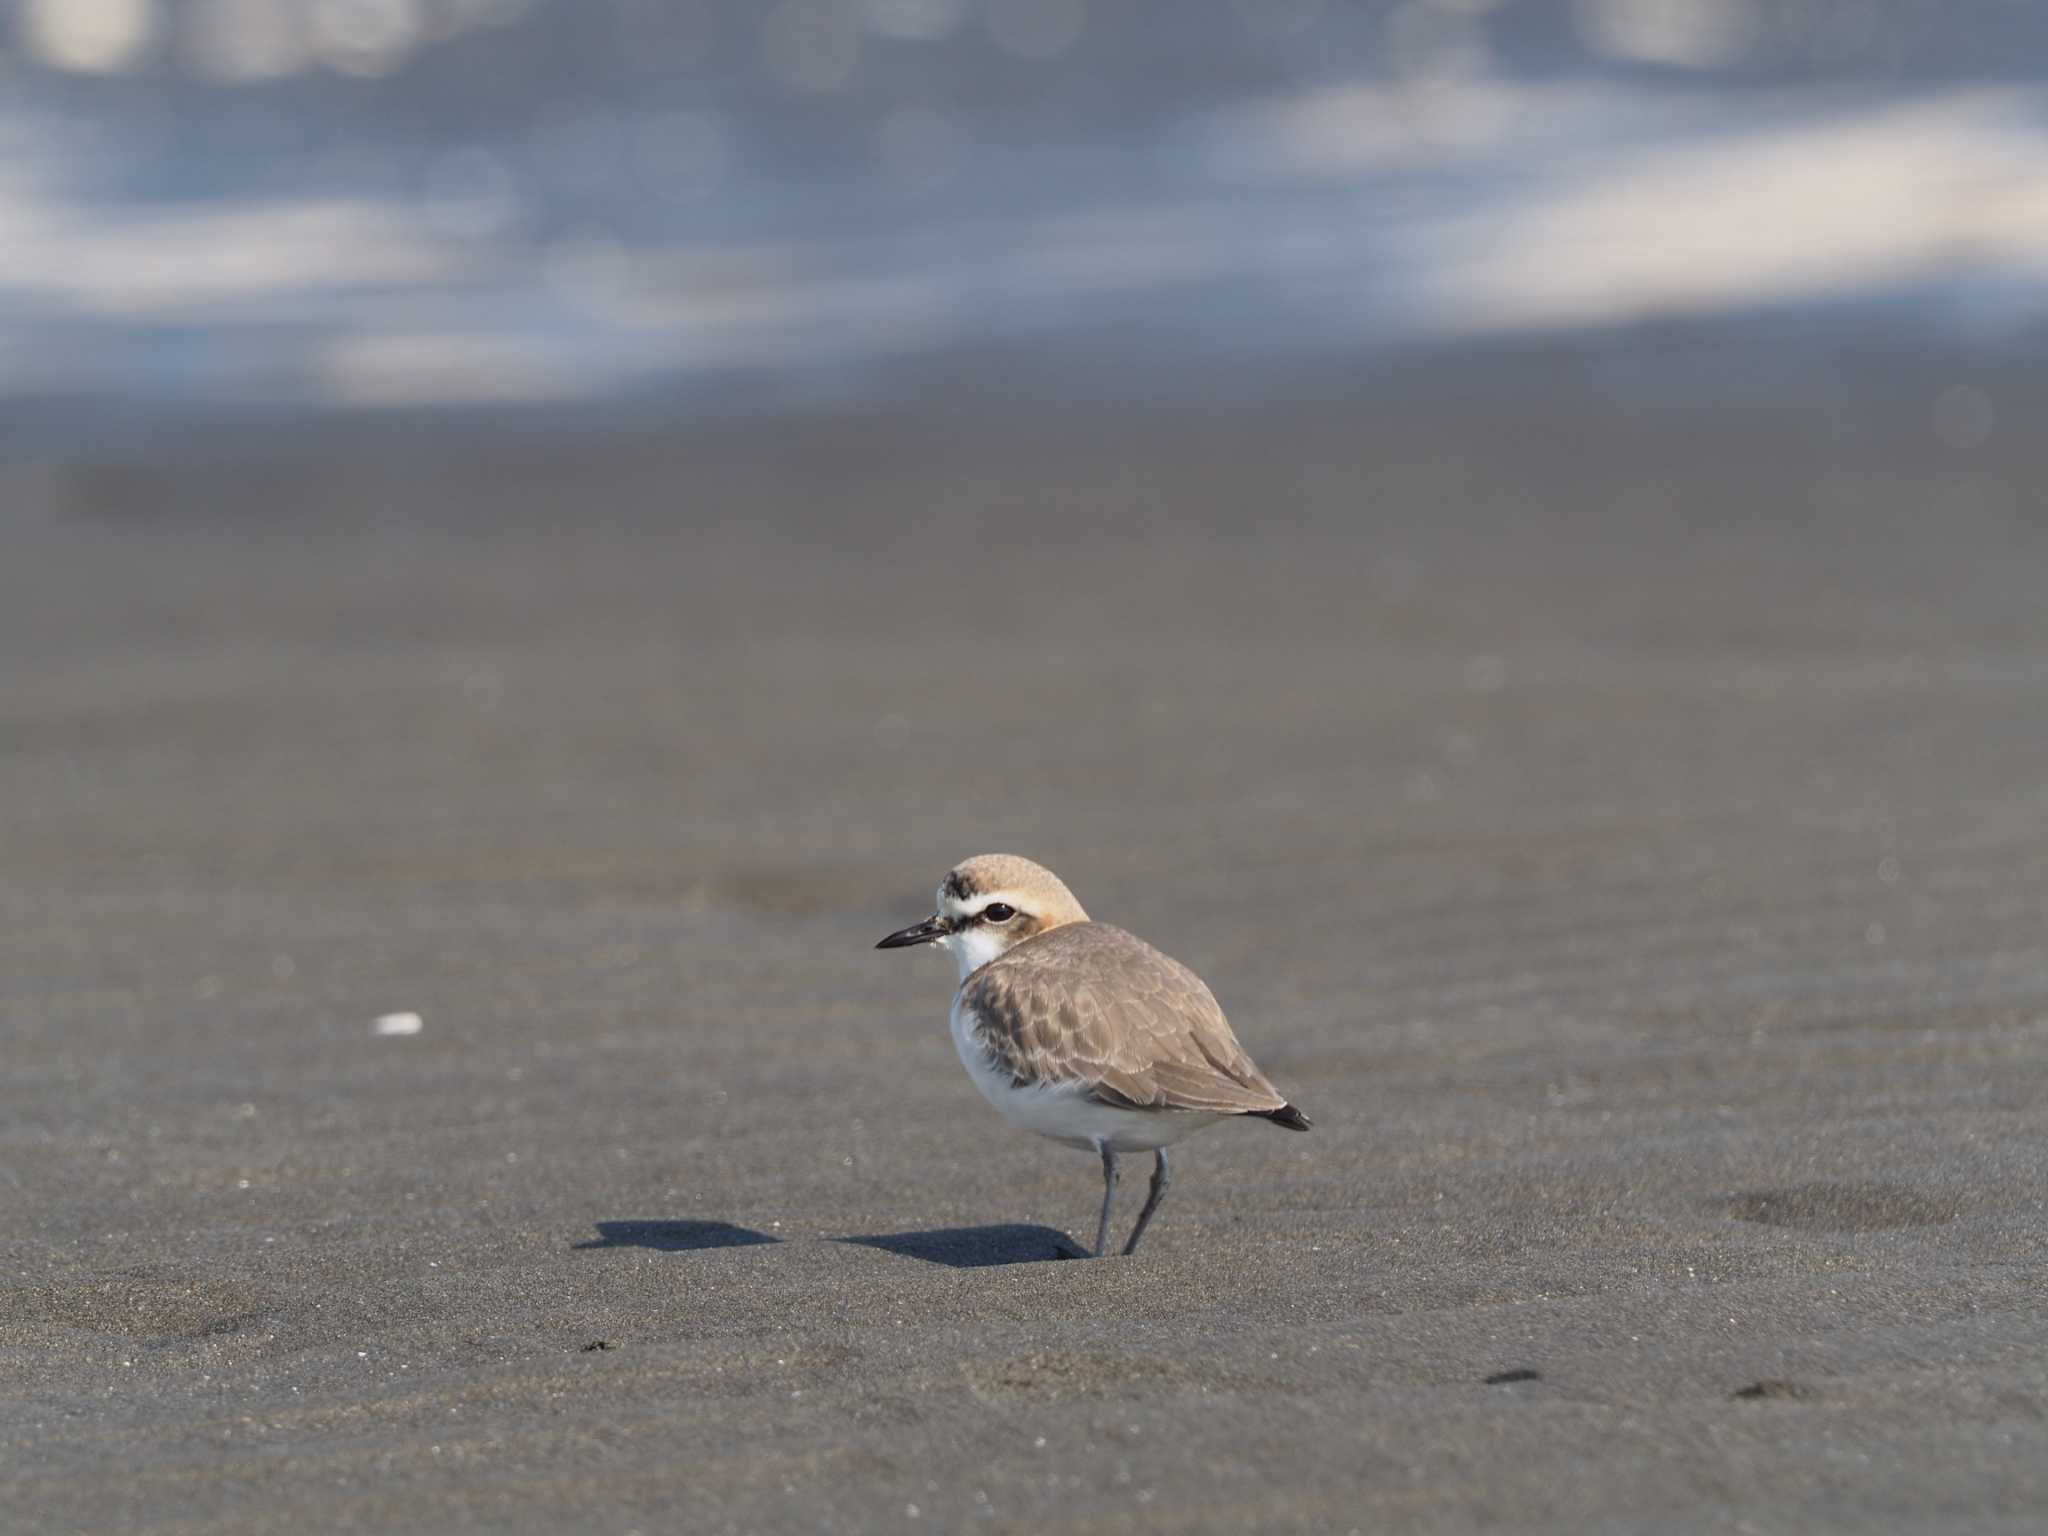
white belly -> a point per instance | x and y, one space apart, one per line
1063 1111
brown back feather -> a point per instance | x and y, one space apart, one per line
1090 1002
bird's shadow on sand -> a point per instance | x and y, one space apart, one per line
675 1236
975 1247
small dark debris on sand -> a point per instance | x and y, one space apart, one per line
1509 1378
1843 1207
1788 1390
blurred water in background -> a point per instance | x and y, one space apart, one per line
339 204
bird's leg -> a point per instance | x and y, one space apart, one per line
1108 1194
1152 1199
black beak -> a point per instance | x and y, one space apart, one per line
930 931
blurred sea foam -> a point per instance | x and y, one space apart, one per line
393 203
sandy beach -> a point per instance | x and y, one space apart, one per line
1622 826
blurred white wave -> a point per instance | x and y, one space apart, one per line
237 41
1340 218
1898 196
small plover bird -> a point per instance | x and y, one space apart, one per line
1082 1032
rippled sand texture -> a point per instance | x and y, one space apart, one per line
1620 827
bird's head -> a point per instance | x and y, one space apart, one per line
989 903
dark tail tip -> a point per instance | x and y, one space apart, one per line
1288 1116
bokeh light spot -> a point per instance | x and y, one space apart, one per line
468 194
98 37
366 37
1428 43
450 17
919 148
1036 29
666 35
681 154
587 266
811 47
578 147
236 40
1278 18
915 20
1688 34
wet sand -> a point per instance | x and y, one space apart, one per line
1620 826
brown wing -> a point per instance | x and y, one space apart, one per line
1091 1003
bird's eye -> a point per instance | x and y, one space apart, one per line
998 912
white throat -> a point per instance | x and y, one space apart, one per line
974 947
